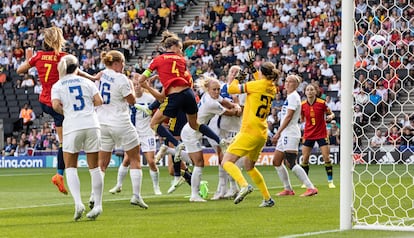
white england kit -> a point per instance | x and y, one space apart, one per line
290 136
226 126
81 125
142 124
114 115
207 109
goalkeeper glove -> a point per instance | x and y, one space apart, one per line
241 76
251 56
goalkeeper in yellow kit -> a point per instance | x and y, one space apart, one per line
252 137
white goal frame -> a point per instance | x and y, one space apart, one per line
346 149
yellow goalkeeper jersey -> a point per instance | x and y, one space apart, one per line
260 94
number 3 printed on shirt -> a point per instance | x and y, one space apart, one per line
264 109
77 90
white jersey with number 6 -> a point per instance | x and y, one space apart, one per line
114 87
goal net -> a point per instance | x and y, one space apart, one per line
383 115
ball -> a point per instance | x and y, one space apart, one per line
377 43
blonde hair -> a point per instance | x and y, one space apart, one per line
108 58
68 64
54 39
169 39
296 77
204 82
269 70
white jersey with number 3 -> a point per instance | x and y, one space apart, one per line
76 94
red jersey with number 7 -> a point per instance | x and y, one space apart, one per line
46 63
314 115
171 69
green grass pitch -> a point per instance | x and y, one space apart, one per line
30 206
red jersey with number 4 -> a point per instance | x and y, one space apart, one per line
46 63
171 69
314 115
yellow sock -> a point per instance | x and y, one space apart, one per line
257 178
235 173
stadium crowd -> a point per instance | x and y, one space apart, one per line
300 36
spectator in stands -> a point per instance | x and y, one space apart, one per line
405 121
164 13
358 120
407 139
227 18
381 63
361 98
257 43
38 87
326 70
378 139
188 28
28 81
394 136
27 116
9 147
329 102
305 40
21 149
335 84
383 94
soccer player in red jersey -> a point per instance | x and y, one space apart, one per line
315 113
177 84
46 63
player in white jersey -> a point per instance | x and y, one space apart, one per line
114 118
226 127
75 98
288 138
146 135
211 104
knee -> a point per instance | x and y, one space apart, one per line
291 159
193 125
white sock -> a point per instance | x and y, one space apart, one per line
103 179
301 174
185 157
136 181
122 172
284 176
195 181
73 182
155 177
240 162
97 186
170 151
222 183
233 183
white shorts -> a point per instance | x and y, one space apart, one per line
87 139
126 137
191 139
148 143
288 143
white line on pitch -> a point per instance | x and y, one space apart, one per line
310 234
15 175
106 200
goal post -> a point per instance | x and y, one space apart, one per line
377 181
347 79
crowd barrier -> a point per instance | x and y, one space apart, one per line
49 160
